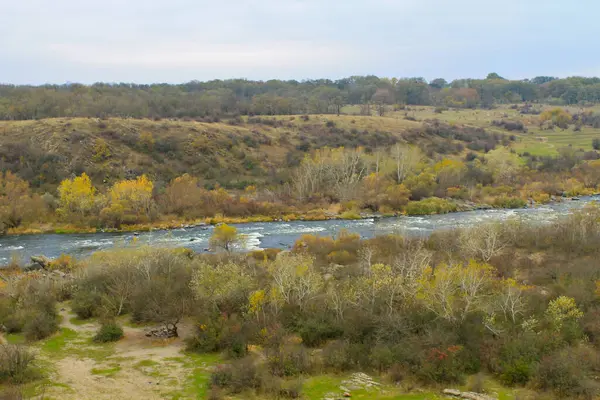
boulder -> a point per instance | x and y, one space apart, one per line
42 261
32 267
163 332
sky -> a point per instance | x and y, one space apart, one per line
148 41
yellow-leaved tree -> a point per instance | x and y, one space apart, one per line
225 237
16 202
130 201
77 197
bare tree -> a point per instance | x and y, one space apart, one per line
406 158
483 242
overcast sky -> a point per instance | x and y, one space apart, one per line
145 41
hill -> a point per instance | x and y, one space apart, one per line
288 166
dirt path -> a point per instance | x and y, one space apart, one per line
84 385
134 368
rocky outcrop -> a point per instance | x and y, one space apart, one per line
455 393
163 332
38 262
357 381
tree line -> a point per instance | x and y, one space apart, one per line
219 98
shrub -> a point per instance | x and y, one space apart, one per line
432 205
239 376
221 333
509 202
442 366
108 332
565 372
15 363
40 325
86 303
291 360
350 215
65 263
596 144
315 332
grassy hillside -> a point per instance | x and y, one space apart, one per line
236 152
501 157
232 153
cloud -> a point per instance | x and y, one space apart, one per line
276 54
173 40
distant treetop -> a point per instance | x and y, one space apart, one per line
226 98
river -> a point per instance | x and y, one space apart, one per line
272 234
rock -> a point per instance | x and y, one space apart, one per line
452 392
42 261
32 267
344 389
163 332
466 395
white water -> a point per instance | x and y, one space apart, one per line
272 234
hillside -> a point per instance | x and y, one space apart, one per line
105 173
234 153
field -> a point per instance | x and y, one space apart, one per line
535 141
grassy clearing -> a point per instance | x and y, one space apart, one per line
318 387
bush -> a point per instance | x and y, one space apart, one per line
564 372
596 144
15 363
221 333
237 377
40 325
314 332
289 360
432 205
442 366
509 202
108 332
86 303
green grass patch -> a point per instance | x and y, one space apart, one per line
318 387
15 338
108 372
197 382
147 363
57 343
78 322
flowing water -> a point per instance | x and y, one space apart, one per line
272 234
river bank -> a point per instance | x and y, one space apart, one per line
312 215
274 234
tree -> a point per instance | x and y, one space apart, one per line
225 237
438 83
101 150
130 201
296 280
454 291
222 287
483 241
563 310
77 196
162 293
406 158
494 75
503 165
16 202
183 195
